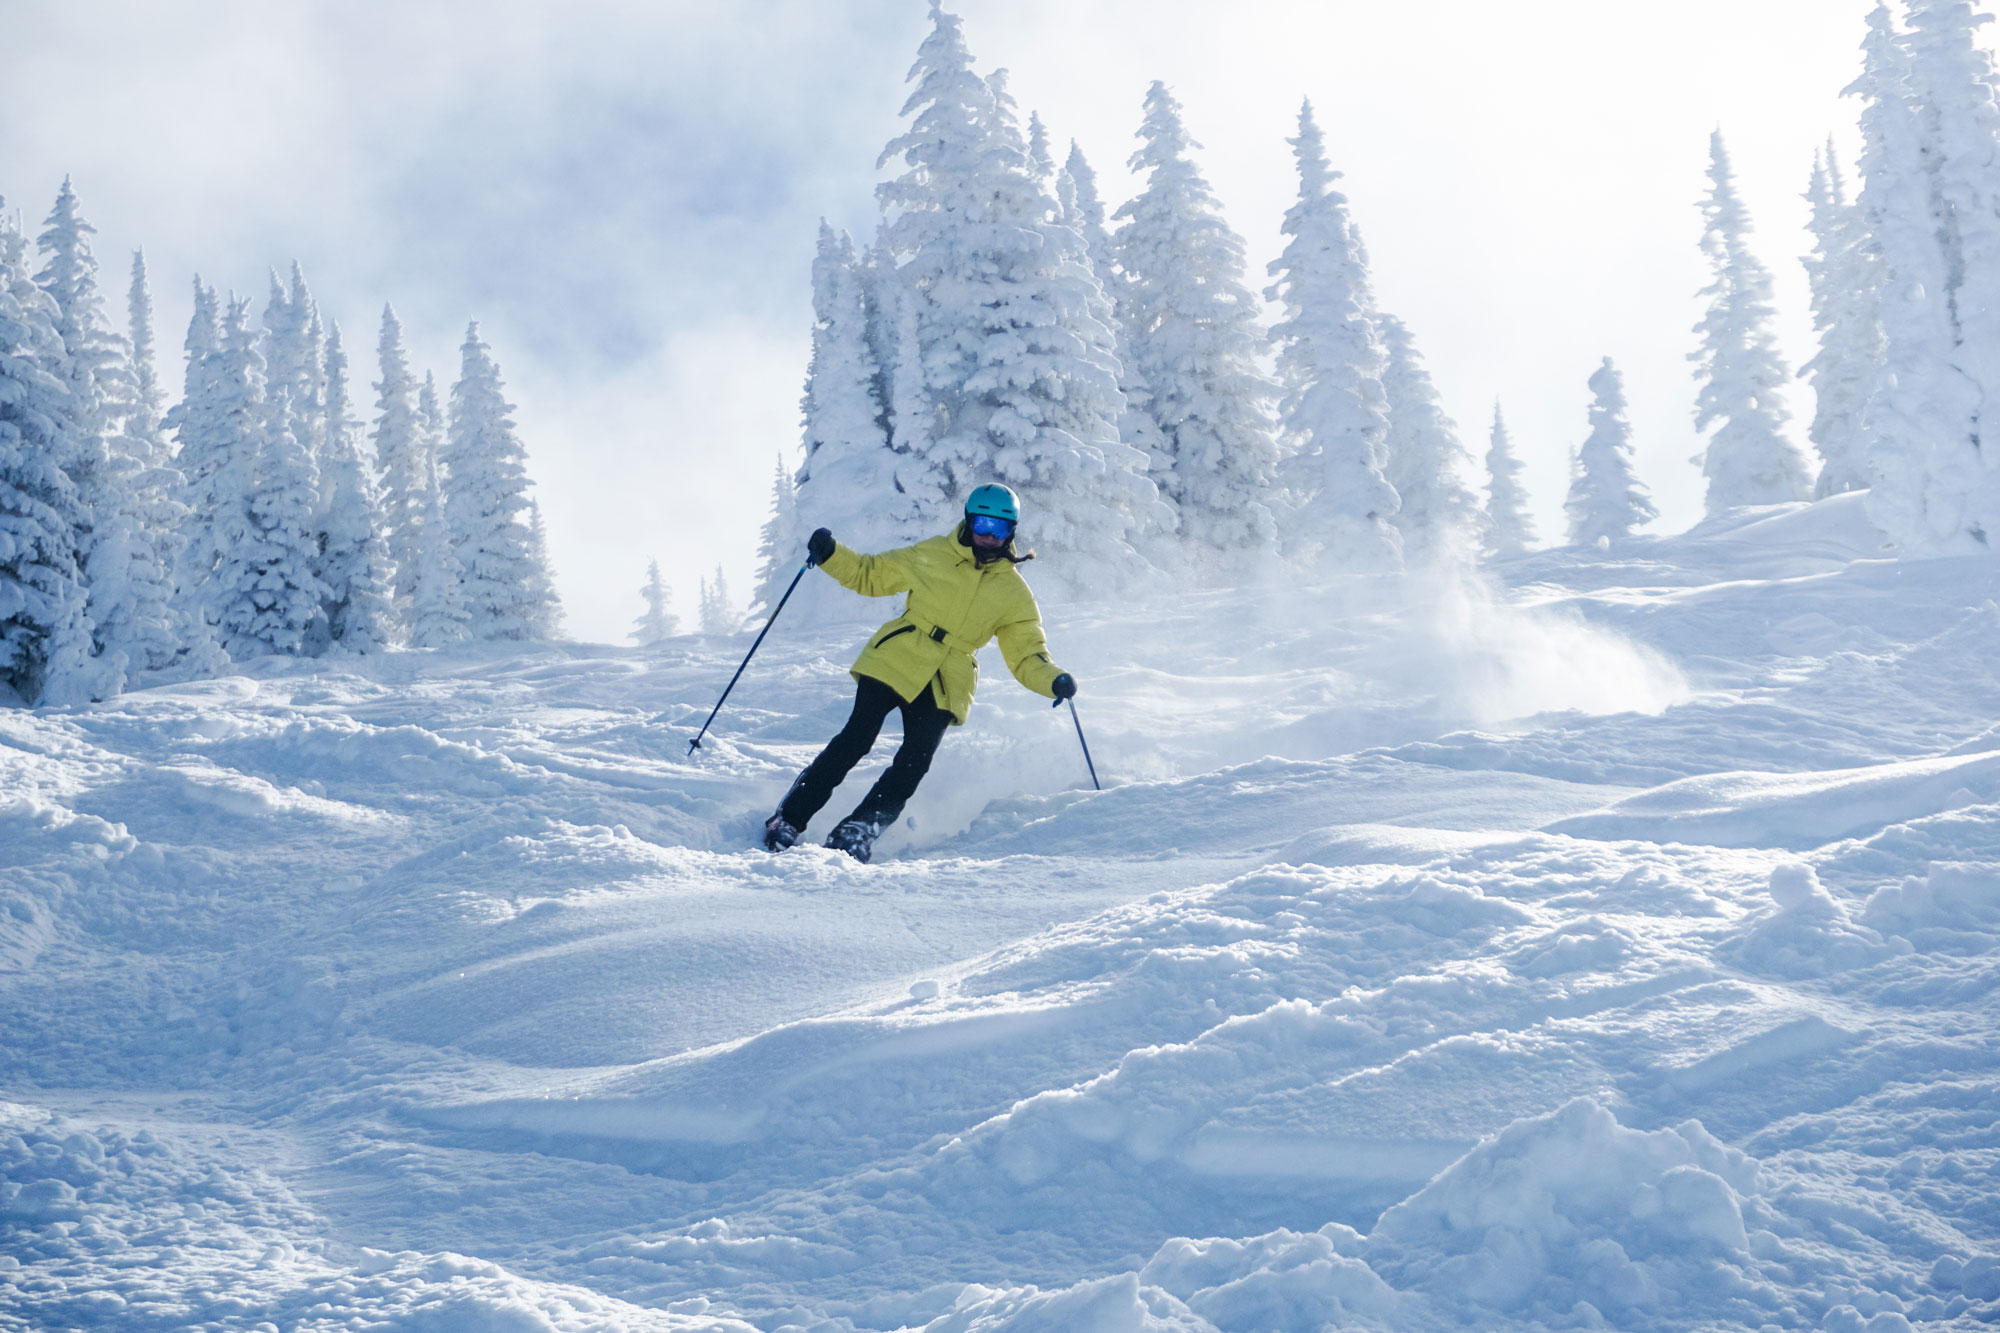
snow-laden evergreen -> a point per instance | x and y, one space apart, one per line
781 546
507 590
1750 459
1606 501
1333 412
657 622
1845 282
1083 209
45 630
400 456
1193 330
1427 463
353 557
1509 528
1011 330
541 576
142 520
146 438
718 612
438 616
214 478
294 351
1040 159
1921 421
264 593
1953 78
848 481
93 363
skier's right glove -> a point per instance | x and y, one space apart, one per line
1064 687
820 546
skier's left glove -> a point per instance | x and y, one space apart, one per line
1064 687
820 546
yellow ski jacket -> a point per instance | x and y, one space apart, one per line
955 608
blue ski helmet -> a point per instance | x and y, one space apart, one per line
995 501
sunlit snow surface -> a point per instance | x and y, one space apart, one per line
1618 949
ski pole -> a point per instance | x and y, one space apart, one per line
1081 741
695 744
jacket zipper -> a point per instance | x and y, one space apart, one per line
892 634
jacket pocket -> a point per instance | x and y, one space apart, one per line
890 635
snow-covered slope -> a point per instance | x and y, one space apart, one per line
1617 948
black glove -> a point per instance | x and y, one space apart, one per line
820 546
1064 686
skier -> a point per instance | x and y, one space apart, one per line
965 590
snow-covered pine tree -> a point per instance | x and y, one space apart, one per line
486 505
45 630
848 481
135 561
1509 528
781 548
400 457
1957 89
1427 463
1332 411
1011 329
543 599
1193 331
438 617
353 559
271 596
1606 499
718 613
215 478
1040 159
1920 423
1083 210
657 622
1845 282
1750 460
294 356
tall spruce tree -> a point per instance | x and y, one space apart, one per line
45 630
1606 499
848 480
353 559
1509 528
1011 331
781 547
657 622
1921 420
507 591
1332 412
1192 327
400 457
438 617
1750 460
1427 463
1845 281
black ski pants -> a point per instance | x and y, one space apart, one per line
924 724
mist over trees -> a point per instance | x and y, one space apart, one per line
253 517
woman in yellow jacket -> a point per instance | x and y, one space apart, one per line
964 591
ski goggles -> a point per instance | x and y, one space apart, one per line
985 525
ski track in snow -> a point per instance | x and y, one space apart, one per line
1617 951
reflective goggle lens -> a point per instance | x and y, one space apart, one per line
988 526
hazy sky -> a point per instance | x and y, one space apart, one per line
625 192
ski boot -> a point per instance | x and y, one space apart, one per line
778 835
856 837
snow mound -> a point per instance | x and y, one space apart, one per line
1571 1218
1953 909
1808 934
1113 1305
